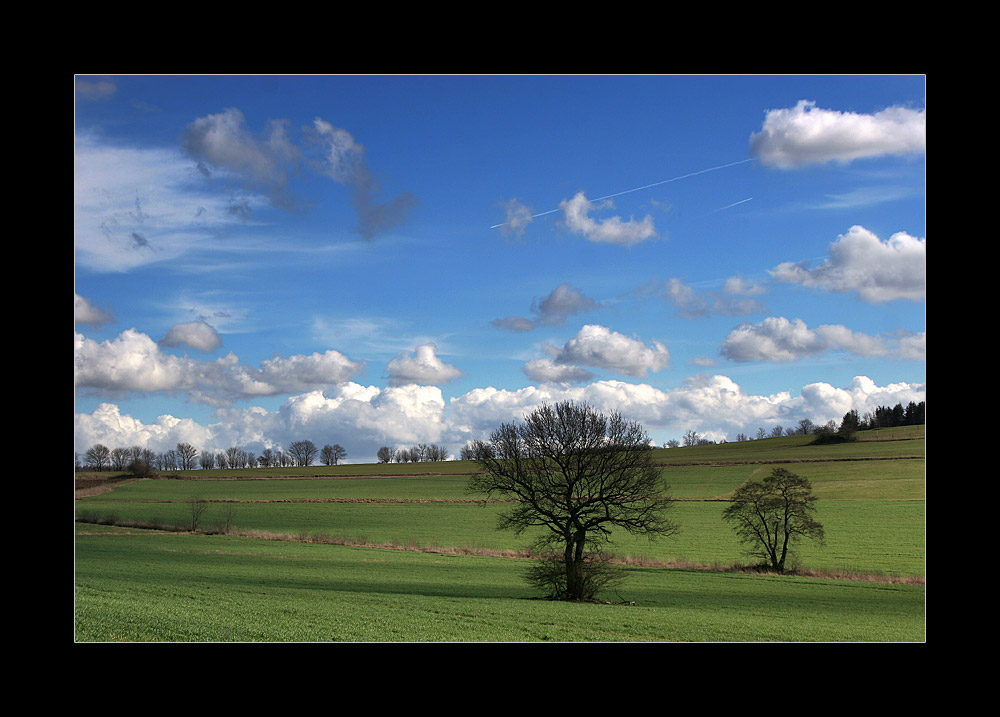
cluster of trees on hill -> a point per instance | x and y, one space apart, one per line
143 461
882 417
416 454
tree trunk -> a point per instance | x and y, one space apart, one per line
575 573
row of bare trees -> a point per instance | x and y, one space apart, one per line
138 459
420 453
142 461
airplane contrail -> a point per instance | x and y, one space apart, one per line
647 186
730 205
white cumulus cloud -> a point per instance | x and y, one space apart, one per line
133 362
859 261
599 346
613 230
422 367
806 134
84 312
781 340
362 418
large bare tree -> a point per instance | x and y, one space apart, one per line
576 474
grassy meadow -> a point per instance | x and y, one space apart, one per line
286 555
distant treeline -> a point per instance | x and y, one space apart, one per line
142 461
420 453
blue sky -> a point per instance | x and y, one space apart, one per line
393 260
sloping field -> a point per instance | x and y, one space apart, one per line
871 504
139 586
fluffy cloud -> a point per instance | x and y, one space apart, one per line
196 334
551 310
778 339
362 418
303 372
598 346
367 414
806 134
713 405
423 367
859 261
613 230
87 314
107 426
133 362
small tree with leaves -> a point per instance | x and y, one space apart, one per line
772 514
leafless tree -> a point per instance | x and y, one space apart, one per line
235 457
207 460
386 454
576 474
98 457
119 458
303 452
331 455
473 449
185 455
198 506
141 461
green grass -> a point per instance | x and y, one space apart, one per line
162 587
863 536
145 585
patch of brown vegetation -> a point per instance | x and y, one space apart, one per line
86 484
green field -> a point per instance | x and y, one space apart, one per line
148 585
